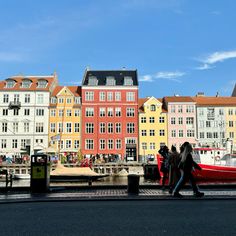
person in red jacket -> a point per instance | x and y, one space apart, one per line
186 166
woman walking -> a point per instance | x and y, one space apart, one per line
186 166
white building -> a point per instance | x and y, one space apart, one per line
24 113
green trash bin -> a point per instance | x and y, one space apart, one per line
40 173
133 183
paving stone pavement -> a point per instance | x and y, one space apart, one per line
113 194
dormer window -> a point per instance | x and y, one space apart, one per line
110 81
26 83
128 80
42 83
53 100
92 80
153 107
10 83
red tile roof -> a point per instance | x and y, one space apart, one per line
76 90
179 99
215 101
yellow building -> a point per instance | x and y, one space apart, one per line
64 121
152 127
231 124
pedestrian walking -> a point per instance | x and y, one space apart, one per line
186 166
164 151
174 172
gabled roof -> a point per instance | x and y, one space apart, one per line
76 90
51 81
215 101
141 102
118 75
178 99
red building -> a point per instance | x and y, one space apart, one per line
110 113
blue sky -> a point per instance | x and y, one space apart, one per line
178 46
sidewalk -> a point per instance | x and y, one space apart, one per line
110 193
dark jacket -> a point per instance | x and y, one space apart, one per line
188 165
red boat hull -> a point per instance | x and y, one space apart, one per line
215 173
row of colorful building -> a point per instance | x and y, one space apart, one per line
105 116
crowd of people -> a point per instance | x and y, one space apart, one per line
177 169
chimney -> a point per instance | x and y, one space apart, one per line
217 94
200 94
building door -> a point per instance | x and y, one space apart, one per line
131 152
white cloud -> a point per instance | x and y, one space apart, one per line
214 58
167 75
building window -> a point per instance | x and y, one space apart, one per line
215 135
14 143
60 113
76 144
39 112
61 100
152 146
118 111
151 132
180 120
143 119
69 100
208 124
68 113
61 144
26 83
128 80
151 119
110 81
189 109
92 80
15 112
5 98
102 96
53 127
76 127
201 134
153 107
130 128
161 119
53 112
231 123
181 133
5 112
162 132
89 96
144 132
172 120
39 127
118 144
109 96
109 111
129 112
130 96
89 128
200 111
110 128
53 100
173 133
27 98
3 143
231 112
4 127
110 144
144 146
89 145
117 96
15 127
26 127
118 128
172 109
42 83
77 100
102 144
190 133
76 112
68 143
89 111
180 109
102 112
102 128
40 99
60 127
10 83
189 120
209 135
231 134
221 112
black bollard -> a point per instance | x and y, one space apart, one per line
133 184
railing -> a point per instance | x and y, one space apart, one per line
14 105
